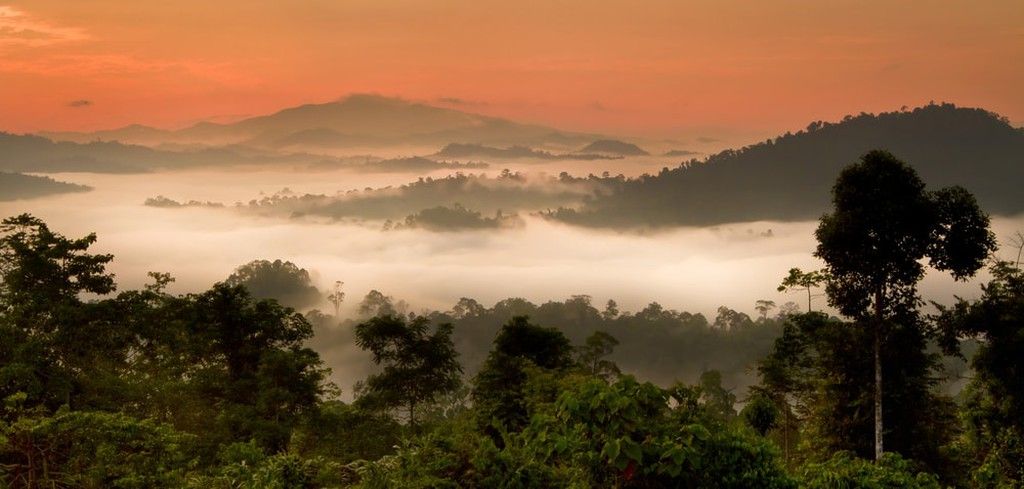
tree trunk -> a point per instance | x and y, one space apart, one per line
412 415
878 375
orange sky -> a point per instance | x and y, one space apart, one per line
640 67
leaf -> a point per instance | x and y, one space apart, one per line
632 449
611 449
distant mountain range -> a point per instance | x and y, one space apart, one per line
790 177
356 121
785 178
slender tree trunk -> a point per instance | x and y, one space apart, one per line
878 375
808 299
785 432
412 415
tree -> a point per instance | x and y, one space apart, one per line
282 281
336 297
611 310
760 413
246 361
763 307
377 304
48 335
882 225
419 364
716 400
592 355
798 280
499 394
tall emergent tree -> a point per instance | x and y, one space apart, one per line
798 280
419 364
883 224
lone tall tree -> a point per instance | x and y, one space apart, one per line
883 224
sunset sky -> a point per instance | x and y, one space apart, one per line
640 67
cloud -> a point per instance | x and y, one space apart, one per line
79 103
705 139
460 101
20 29
598 106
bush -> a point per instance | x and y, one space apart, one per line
845 471
92 450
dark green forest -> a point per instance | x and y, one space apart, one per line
229 387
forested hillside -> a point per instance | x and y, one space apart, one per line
789 177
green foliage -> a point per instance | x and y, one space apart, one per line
219 364
246 466
255 377
818 375
419 365
499 393
92 450
761 414
345 433
42 274
626 434
848 472
993 410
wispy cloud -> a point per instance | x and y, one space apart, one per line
119 65
76 104
460 102
17 28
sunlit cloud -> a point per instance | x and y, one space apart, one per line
19 29
121 65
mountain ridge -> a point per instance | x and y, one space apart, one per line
352 121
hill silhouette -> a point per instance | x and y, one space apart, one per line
611 146
789 177
15 186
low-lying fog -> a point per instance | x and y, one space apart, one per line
693 269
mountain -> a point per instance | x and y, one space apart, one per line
354 121
15 186
791 176
611 146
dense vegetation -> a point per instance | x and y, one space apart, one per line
454 218
223 389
